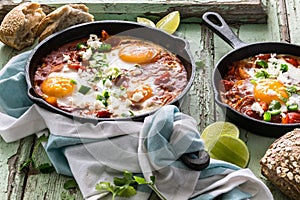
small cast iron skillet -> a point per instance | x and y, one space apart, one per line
174 44
242 50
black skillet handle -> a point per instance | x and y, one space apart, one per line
218 25
197 160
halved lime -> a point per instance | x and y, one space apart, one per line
230 149
170 22
212 132
145 21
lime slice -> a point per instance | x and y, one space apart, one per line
145 21
170 22
230 149
212 132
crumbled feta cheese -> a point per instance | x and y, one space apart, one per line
66 57
87 54
137 96
93 41
108 83
257 108
128 103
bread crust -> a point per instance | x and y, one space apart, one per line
18 28
281 164
63 17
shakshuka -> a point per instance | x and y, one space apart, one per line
110 76
265 87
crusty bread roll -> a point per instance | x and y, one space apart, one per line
63 17
19 26
281 164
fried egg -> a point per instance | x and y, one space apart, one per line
268 90
138 53
57 87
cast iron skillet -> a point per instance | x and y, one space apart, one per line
113 27
242 50
197 160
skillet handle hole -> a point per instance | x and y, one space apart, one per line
215 20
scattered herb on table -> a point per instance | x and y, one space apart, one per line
126 186
71 186
43 168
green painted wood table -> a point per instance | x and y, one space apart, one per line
268 20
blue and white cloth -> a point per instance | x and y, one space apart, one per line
93 153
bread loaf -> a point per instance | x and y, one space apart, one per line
281 164
18 28
63 17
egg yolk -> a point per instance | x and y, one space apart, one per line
57 87
138 53
268 89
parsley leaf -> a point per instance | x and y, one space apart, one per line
43 168
126 186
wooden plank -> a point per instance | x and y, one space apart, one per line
200 101
12 155
243 11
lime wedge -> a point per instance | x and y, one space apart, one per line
170 22
145 21
230 149
212 132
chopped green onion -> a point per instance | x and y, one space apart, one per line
284 67
73 82
267 116
275 112
131 113
106 94
292 89
274 105
84 89
262 63
253 81
292 107
104 47
262 74
104 97
80 46
282 98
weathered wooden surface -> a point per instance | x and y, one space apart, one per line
207 49
243 11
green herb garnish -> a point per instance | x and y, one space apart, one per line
126 185
292 90
73 82
275 112
103 97
262 74
104 47
84 89
262 63
70 184
274 105
43 168
267 116
80 46
292 107
284 67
